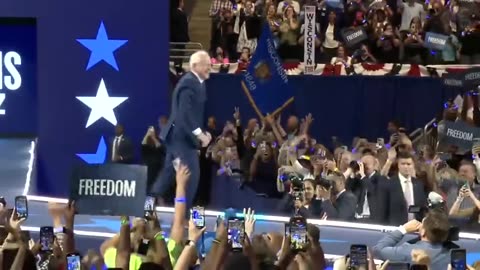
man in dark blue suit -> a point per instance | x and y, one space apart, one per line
183 133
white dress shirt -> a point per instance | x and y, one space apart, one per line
366 207
116 145
407 183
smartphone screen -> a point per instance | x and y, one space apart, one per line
398 266
358 257
298 233
198 216
46 238
73 261
236 231
149 207
21 206
458 259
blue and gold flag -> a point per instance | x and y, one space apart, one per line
265 81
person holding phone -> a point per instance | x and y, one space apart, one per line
471 213
183 135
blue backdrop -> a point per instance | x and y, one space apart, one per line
18 80
70 39
344 107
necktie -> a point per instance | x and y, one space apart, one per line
409 197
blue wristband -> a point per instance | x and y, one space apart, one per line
180 200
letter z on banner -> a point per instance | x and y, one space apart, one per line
109 190
309 35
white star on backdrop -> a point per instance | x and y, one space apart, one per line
102 105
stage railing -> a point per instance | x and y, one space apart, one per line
282 219
181 51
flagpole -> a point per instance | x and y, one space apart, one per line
279 110
252 102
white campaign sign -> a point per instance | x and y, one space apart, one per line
309 43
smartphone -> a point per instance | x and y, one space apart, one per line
46 238
176 163
73 261
21 207
398 266
298 234
198 216
236 232
458 259
149 207
358 257
287 228
143 247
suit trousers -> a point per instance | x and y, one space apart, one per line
189 157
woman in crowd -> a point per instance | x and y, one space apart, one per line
342 57
288 48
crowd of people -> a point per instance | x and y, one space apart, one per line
396 30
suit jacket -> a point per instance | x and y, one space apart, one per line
342 209
396 208
188 108
179 26
387 249
371 186
125 150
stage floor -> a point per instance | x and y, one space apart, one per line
16 171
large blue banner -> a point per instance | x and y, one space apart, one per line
99 63
266 83
18 80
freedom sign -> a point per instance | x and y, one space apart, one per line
109 190
457 134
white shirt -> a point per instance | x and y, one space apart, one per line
404 182
116 144
330 41
366 207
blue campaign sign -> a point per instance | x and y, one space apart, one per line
18 81
99 63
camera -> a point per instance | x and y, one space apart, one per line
354 166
